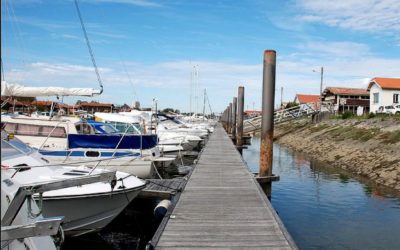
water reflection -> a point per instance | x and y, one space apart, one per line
326 208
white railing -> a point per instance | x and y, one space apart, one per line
280 116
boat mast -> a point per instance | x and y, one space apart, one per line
191 91
89 47
204 104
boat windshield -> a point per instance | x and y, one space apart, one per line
128 128
13 147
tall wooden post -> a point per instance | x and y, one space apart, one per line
240 112
230 118
234 108
226 119
267 122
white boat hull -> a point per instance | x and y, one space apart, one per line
93 213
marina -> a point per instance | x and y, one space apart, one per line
126 125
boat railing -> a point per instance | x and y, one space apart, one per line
54 128
116 147
42 227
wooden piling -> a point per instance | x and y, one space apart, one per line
239 133
234 109
267 123
230 119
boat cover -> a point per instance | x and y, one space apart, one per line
11 89
110 141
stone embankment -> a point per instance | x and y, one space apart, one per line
367 147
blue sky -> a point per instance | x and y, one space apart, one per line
147 49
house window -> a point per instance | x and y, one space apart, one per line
376 97
395 98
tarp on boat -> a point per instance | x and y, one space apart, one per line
110 141
12 89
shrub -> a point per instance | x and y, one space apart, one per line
371 115
347 114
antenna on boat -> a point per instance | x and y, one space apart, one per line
89 47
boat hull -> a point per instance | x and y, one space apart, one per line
87 213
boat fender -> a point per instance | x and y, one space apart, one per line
161 209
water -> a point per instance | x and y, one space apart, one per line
326 208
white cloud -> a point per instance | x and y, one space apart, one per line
142 3
170 81
364 15
341 49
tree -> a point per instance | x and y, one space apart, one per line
167 110
291 104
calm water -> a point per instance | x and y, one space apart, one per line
326 208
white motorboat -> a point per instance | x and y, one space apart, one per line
52 136
86 208
135 122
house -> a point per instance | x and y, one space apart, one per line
346 99
13 105
383 92
311 100
251 113
92 107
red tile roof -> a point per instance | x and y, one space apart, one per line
307 98
385 83
346 91
95 104
41 103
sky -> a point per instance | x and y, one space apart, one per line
150 49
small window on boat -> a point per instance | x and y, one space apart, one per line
92 154
35 130
53 132
10 127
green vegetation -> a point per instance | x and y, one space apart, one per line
291 104
371 115
319 127
347 115
361 134
390 137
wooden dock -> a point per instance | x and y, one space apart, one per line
222 206
162 188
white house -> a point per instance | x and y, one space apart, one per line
383 92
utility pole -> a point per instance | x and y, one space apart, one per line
320 89
282 97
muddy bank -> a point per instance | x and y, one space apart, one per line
367 147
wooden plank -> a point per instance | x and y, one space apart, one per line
162 188
222 206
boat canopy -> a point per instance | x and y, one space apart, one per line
114 117
146 115
12 89
111 141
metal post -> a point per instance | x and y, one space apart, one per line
267 122
239 133
320 89
281 98
234 108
